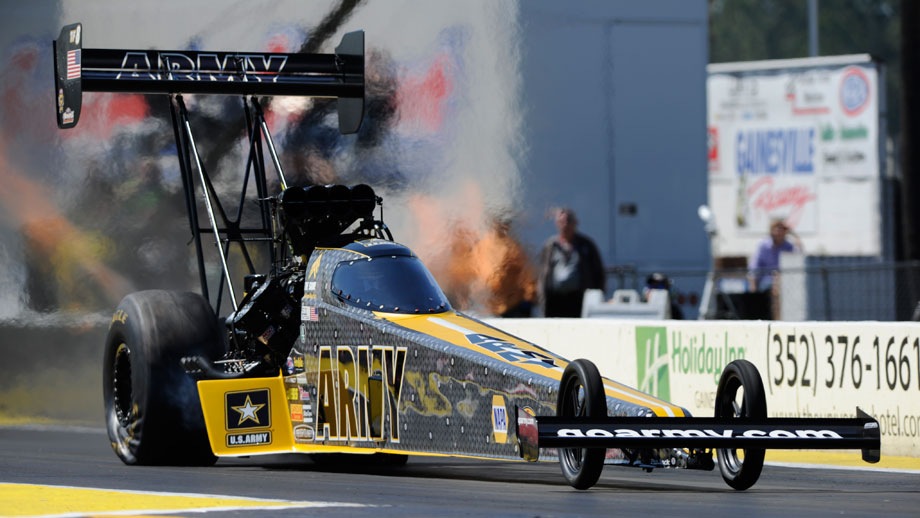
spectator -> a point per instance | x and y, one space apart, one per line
765 261
569 264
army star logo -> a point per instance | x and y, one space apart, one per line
248 411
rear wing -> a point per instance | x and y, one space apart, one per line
78 69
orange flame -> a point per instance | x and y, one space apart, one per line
475 258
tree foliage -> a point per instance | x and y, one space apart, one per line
748 30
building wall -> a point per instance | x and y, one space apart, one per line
615 110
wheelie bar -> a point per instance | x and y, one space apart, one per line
861 432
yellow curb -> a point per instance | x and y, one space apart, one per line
840 458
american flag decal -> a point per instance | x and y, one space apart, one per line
310 314
73 64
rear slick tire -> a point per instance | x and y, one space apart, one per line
740 473
152 411
581 394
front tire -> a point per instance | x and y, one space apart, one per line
581 394
751 402
152 411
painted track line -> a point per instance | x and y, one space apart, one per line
50 501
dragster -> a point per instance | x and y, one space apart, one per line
346 345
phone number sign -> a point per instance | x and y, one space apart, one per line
827 369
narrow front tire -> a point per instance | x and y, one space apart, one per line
581 394
740 395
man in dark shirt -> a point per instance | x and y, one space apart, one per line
569 264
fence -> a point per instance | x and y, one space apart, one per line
806 288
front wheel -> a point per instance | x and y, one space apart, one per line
741 395
581 394
152 411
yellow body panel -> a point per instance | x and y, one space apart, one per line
237 429
455 327
238 412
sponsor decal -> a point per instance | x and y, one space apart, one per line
304 432
859 132
247 409
203 66
120 316
267 335
75 35
309 286
697 433
854 91
659 355
854 132
249 439
805 102
844 157
60 100
297 412
652 361
499 419
507 351
74 59
68 116
690 354
304 394
773 151
293 393
770 198
314 266
358 392
510 352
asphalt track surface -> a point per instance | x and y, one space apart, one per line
44 470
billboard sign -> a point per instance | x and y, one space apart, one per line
796 139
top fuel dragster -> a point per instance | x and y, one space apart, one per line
347 345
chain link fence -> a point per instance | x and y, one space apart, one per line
806 288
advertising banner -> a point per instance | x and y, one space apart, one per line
798 140
808 369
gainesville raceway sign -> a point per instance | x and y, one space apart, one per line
798 139
809 369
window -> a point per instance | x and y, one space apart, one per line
391 284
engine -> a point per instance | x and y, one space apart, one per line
268 320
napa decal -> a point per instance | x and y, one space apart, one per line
358 393
499 419
247 413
